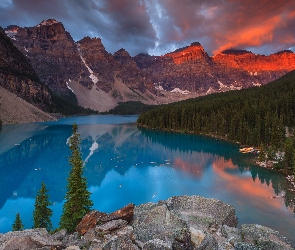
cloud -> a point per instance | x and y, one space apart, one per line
159 26
221 25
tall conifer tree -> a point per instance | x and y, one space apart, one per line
42 212
77 199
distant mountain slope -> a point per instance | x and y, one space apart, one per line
252 116
14 110
18 76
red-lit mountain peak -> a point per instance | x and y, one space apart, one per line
190 54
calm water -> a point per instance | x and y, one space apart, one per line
125 164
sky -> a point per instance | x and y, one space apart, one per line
161 26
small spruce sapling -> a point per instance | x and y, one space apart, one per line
17 225
42 212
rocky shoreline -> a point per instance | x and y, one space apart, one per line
180 222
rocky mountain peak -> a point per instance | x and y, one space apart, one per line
124 57
47 22
11 31
189 54
122 53
93 44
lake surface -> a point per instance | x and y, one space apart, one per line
125 164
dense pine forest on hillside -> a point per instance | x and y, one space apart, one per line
130 108
256 116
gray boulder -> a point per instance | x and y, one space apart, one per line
208 243
155 221
120 242
156 244
246 246
232 234
111 226
28 239
200 212
265 237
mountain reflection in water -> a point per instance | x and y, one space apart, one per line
125 164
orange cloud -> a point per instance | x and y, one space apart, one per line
250 36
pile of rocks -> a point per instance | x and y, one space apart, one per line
181 222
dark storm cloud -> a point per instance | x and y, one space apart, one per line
159 26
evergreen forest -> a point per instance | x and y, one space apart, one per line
257 116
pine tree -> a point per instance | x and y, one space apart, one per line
77 199
17 225
261 155
42 212
288 157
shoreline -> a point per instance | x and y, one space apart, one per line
266 164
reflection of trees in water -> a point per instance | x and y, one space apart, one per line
119 148
187 142
278 183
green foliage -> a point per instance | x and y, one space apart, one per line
42 212
252 116
289 157
77 199
130 108
261 155
17 225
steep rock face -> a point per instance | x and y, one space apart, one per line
52 52
191 69
18 76
251 69
188 69
101 63
131 74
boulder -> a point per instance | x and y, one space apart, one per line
246 246
264 237
156 244
89 221
111 226
226 246
60 235
154 221
197 236
208 243
120 242
74 240
28 239
232 234
200 212
125 213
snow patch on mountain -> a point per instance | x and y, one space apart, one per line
69 86
11 34
177 90
92 76
158 87
221 85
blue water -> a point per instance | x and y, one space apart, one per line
125 164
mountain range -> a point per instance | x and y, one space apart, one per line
53 64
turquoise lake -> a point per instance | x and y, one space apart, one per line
125 164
